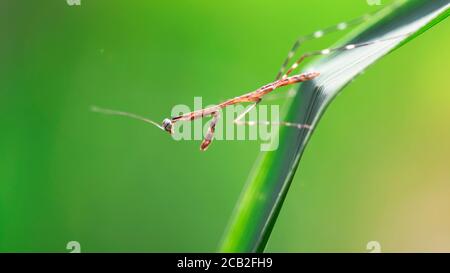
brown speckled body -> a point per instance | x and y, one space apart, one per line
254 96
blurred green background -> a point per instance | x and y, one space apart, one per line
376 169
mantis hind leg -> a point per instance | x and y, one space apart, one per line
319 34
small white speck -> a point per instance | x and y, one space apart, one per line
342 26
291 54
325 51
348 47
318 34
294 66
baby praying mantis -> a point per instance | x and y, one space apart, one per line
283 78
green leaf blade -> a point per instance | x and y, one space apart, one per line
269 181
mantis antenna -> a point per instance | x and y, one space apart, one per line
126 114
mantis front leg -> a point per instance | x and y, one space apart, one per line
210 134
